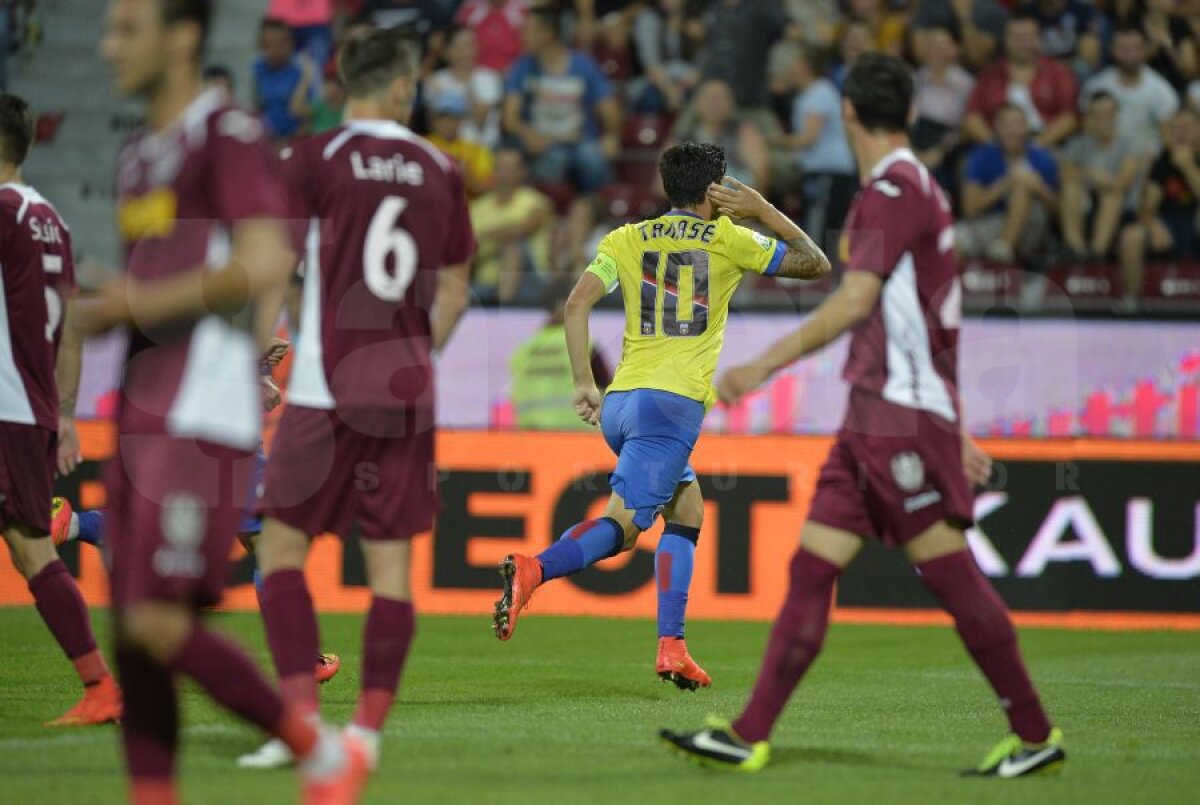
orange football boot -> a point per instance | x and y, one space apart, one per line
522 575
327 667
346 786
101 704
60 520
676 665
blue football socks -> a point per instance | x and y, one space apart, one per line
91 527
673 561
580 546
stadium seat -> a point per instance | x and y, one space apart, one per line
645 131
626 202
1173 282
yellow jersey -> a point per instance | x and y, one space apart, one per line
677 274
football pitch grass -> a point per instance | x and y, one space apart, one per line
568 712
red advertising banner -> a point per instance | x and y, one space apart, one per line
1063 545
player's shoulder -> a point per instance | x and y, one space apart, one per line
225 119
18 200
900 181
375 140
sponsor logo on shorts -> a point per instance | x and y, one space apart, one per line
922 500
183 520
908 471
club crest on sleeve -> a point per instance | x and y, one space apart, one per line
908 471
764 241
887 188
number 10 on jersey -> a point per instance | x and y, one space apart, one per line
683 278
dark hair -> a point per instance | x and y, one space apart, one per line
816 58
274 24
1024 15
550 18
556 293
16 128
1128 28
218 72
194 11
373 60
688 169
880 88
1101 95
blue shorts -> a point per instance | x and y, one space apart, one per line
653 433
251 520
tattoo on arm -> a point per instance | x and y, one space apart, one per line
803 260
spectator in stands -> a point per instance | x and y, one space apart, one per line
1045 89
1071 30
560 106
447 116
887 27
311 22
480 88
219 76
1170 41
1010 193
328 110
822 152
980 26
665 52
497 25
1098 169
737 36
942 89
814 22
283 81
1166 220
613 48
512 225
1145 100
713 118
543 385
855 40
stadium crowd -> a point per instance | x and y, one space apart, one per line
1065 130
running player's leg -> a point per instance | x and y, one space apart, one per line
27 459
799 630
948 570
402 504
289 616
67 525
65 613
171 537
305 492
387 636
673 562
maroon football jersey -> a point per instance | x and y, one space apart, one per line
387 211
39 276
180 192
900 228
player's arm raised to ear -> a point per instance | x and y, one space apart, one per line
803 259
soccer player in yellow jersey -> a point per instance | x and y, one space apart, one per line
677 274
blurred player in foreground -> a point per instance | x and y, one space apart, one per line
901 469
37 426
200 203
677 274
68 525
385 281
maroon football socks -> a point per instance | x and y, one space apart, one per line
291 624
795 642
982 621
386 637
62 607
